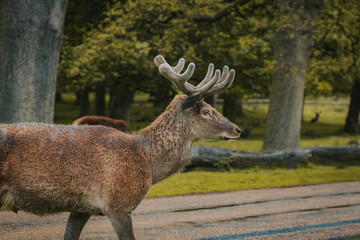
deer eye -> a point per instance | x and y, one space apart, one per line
206 112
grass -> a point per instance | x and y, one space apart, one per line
204 182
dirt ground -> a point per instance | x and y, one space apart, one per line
327 211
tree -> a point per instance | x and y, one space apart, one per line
99 61
118 54
30 39
168 28
352 119
349 25
334 64
82 17
292 43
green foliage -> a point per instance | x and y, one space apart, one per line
334 63
81 17
114 42
120 49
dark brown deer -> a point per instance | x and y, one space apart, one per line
96 170
316 118
104 121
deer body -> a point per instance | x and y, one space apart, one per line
78 168
97 170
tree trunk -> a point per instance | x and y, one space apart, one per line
58 97
100 102
303 107
84 102
120 103
352 119
231 107
30 39
203 156
161 96
210 100
291 42
78 97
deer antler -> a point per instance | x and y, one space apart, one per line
173 73
211 84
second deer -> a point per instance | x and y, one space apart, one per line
104 121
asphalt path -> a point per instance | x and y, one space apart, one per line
327 211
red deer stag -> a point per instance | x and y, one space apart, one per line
104 121
96 170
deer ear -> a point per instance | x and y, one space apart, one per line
191 101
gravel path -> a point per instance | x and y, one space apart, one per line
327 211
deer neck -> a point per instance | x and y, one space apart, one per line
167 144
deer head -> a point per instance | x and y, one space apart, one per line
206 122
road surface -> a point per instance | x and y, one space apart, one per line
327 211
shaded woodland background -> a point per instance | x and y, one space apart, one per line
282 50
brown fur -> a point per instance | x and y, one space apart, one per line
104 121
95 170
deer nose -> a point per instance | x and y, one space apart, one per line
238 130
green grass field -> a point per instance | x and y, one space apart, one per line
203 182
326 132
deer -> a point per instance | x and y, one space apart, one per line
316 118
95 170
104 121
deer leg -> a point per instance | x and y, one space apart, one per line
75 224
122 224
